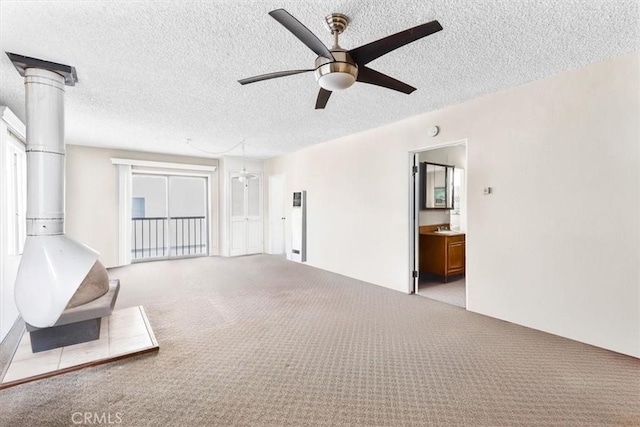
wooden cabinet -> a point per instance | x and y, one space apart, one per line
442 254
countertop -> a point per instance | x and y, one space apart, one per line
446 233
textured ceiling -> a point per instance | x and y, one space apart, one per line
152 74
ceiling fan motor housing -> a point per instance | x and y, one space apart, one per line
336 75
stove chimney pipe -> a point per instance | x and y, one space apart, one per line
52 266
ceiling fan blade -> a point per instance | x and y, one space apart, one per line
368 52
271 76
301 32
373 77
323 97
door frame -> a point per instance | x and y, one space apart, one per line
414 212
283 177
125 169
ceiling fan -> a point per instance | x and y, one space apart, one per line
337 68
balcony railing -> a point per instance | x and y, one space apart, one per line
163 237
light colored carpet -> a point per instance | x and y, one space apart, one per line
260 341
453 292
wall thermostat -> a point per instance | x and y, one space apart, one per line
434 130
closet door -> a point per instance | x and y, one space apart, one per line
245 224
254 215
238 218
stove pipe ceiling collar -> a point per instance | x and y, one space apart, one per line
52 266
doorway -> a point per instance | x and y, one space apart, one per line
438 244
168 217
277 216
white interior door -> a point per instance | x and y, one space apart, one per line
245 225
254 215
414 225
238 218
276 214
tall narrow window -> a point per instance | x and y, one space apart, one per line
16 208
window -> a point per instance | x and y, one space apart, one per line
16 201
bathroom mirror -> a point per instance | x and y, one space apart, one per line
436 186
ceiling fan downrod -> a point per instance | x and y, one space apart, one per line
336 23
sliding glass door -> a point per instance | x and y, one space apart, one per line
187 213
149 217
169 217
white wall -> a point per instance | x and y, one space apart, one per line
556 247
92 196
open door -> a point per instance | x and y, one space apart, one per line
438 242
414 223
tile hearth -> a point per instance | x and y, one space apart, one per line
125 333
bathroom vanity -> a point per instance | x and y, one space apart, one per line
442 252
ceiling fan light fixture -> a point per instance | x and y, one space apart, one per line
334 76
244 176
336 81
